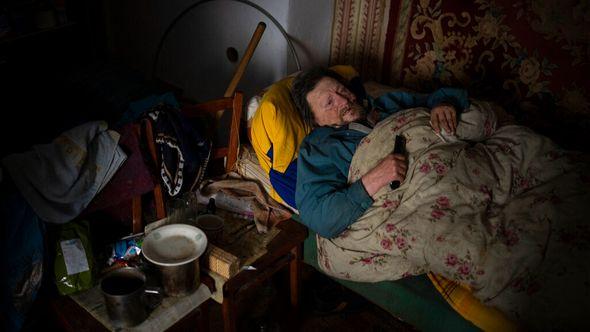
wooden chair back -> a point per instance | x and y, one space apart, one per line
211 109
214 108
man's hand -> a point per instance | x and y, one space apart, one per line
444 116
392 167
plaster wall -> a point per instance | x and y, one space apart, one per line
193 55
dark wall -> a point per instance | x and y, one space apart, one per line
55 73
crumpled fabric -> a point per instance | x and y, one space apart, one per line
132 179
60 179
267 212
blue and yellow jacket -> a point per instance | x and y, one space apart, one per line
277 131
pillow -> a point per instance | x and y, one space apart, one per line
277 131
251 108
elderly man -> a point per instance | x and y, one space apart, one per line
489 215
327 203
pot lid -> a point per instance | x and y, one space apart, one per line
174 245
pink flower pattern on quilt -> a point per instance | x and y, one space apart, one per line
490 229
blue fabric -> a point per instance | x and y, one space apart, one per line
284 183
327 204
22 246
392 102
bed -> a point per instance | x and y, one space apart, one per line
441 300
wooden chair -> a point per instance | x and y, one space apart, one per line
283 252
210 109
72 317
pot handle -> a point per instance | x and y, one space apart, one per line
152 297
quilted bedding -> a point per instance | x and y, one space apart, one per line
504 211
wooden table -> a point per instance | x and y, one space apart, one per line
285 249
70 316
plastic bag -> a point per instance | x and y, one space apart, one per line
74 262
126 250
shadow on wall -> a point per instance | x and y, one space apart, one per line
194 53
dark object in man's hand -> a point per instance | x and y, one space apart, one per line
399 148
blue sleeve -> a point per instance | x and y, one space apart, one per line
393 102
326 202
453 96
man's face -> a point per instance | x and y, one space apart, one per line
332 104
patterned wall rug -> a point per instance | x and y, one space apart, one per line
531 56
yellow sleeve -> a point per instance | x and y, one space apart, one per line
260 139
277 124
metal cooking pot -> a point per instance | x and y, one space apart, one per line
175 250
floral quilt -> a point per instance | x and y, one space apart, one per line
504 211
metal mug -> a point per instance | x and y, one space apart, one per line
212 225
125 297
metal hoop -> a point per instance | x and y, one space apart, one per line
246 2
